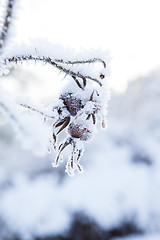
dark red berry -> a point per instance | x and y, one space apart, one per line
78 130
72 103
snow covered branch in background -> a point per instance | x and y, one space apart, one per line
8 108
80 106
30 130
6 24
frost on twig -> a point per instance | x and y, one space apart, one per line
76 75
6 23
45 115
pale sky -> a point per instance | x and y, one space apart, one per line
128 28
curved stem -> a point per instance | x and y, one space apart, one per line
73 74
82 61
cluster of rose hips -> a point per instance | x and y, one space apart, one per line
78 115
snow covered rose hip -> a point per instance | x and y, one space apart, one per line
80 131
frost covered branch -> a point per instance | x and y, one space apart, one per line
82 62
73 74
6 23
27 127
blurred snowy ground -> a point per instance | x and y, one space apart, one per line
145 237
120 185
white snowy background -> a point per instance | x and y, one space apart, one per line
122 165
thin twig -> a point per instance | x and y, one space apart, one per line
82 61
35 110
6 24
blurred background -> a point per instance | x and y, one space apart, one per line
118 195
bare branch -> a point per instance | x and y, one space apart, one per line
48 60
6 24
82 62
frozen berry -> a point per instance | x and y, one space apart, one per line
79 130
72 103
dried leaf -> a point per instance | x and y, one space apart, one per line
65 124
